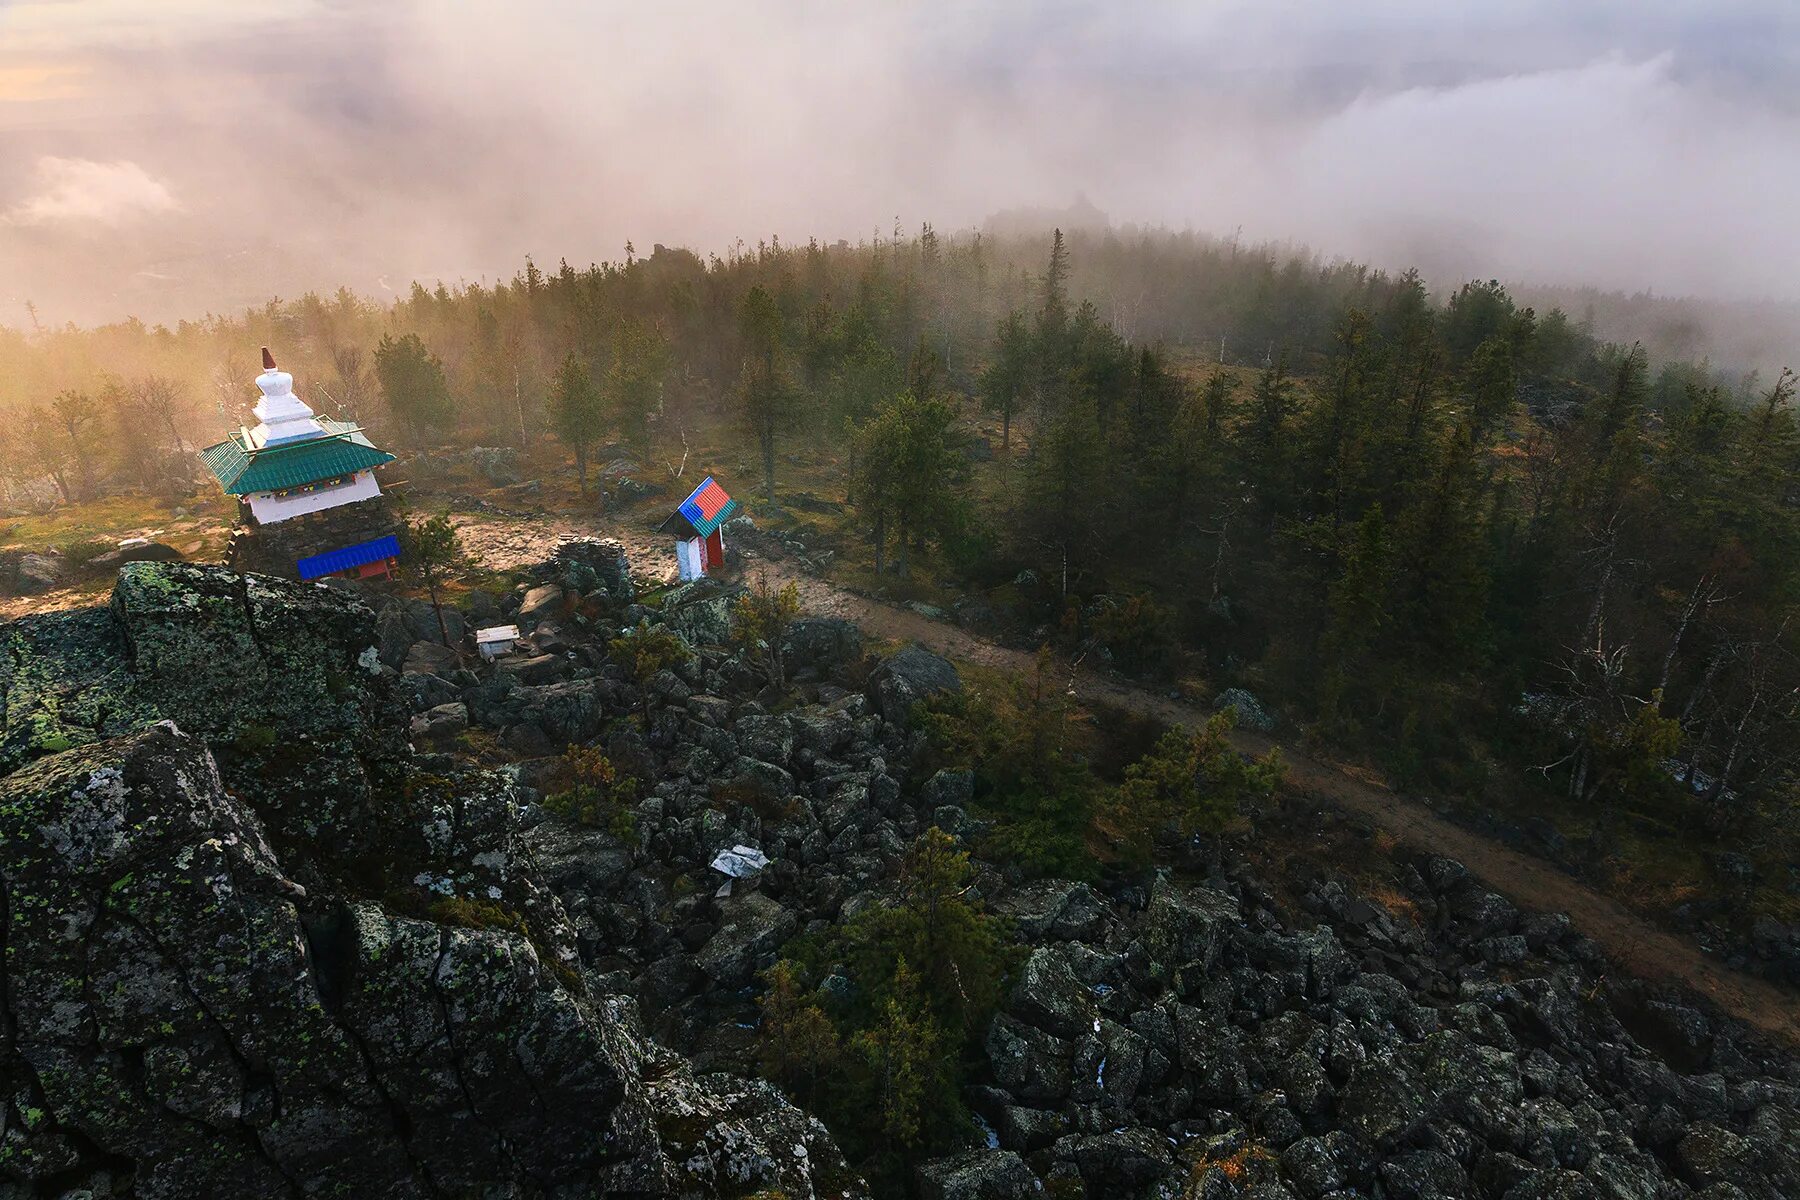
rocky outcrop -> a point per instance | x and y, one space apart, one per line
174 1007
312 965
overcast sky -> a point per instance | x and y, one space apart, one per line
166 157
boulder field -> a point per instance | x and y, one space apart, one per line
263 937
253 947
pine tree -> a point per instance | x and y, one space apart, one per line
908 474
1006 377
412 381
577 414
1265 449
634 382
430 549
764 394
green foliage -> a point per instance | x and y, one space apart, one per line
797 1045
959 956
906 472
255 739
1006 380
465 913
885 1067
1138 632
430 548
765 393
641 652
645 649
1040 796
577 413
634 383
594 794
413 383
1629 758
1192 783
760 621
908 1077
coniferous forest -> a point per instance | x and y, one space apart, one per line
1445 530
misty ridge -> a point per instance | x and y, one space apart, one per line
175 161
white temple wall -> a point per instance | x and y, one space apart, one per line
269 508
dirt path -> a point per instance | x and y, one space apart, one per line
1630 941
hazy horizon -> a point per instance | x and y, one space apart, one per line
191 156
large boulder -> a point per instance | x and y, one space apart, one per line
821 644
913 675
441 723
587 565
1189 926
540 604
1031 1064
193 1008
170 1005
978 1175
724 1136
36 573
569 713
134 550
1052 910
1120 1162
1248 710
751 928
1049 996
699 613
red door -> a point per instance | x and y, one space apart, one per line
715 549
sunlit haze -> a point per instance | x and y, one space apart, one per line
172 158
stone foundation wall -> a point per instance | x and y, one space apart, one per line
274 549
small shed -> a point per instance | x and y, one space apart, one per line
698 528
496 641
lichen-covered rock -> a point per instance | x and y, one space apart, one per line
541 603
282 680
734 1137
1189 926
1049 996
821 644
909 677
1248 710
751 928
194 1009
349 1052
587 565
979 1175
699 613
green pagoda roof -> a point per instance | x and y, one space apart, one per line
242 467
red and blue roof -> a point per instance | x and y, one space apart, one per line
706 508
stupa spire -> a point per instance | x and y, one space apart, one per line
282 416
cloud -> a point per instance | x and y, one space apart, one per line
1610 172
296 144
80 191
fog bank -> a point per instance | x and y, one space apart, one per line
193 155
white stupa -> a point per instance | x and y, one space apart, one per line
295 465
282 416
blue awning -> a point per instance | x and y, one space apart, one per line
333 561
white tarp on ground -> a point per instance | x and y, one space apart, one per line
740 862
